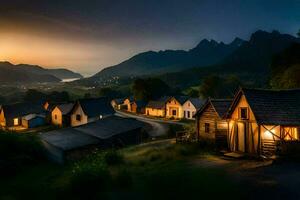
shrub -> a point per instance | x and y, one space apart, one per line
113 157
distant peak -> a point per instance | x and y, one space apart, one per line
237 41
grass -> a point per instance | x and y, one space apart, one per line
158 170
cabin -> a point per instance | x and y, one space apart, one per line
210 122
191 106
75 142
157 108
261 122
11 115
90 110
174 107
138 107
60 114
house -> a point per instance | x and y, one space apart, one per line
138 106
210 122
261 121
33 120
60 114
75 142
11 115
127 103
190 107
174 107
157 108
117 103
89 110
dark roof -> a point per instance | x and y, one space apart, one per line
221 106
119 101
22 109
141 103
196 102
156 104
181 99
110 126
65 108
68 139
272 107
91 133
96 107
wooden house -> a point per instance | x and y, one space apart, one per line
128 103
117 103
210 122
90 110
138 106
191 106
60 114
11 115
174 107
261 120
33 120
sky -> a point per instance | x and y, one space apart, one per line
89 35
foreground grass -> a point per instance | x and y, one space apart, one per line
152 171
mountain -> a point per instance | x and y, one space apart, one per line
251 61
24 73
205 53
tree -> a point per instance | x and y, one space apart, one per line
59 96
87 95
32 95
108 92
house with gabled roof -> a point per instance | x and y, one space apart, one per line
157 108
191 106
60 114
11 114
260 121
90 110
210 121
174 107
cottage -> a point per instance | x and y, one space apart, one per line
190 107
174 107
138 106
260 120
127 104
210 122
75 142
60 115
11 115
89 110
157 108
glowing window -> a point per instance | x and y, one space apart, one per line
16 121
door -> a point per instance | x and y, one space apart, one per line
241 136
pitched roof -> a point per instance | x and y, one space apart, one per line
68 138
141 103
65 108
119 101
196 102
181 99
21 109
156 104
277 107
96 107
110 126
32 116
220 105
91 133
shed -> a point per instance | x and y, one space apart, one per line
33 120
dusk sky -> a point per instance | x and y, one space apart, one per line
89 35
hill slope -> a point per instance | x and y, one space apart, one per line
24 73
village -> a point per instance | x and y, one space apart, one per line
256 122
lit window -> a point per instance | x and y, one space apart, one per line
16 121
100 116
243 113
206 127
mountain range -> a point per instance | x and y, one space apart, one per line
250 58
24 73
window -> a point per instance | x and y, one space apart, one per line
55 116
16 121
100 117
243 113
188 114
185 114
78 117
206 127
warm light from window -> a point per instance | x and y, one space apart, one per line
16 121
268 134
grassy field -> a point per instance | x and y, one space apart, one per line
159 170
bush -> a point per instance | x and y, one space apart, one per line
113 157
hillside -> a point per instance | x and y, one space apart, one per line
24 73
205 53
